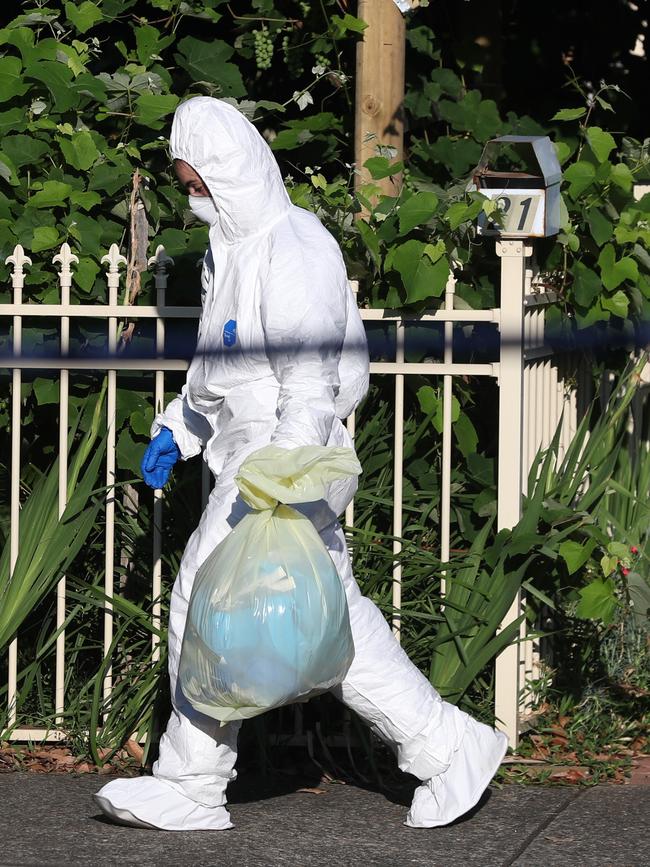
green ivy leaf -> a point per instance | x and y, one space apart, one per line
619 550
12 121
290 139
587 285
569 114
129 452
448 81
617 303
460 154
622 177
141 420
152 107
421 39
57 78
86 230
570 240
348 23
588 317
417 210
576 554
83 15
602 143
8 170
30 219
207 61
46 391
371 241
562 150
472 114
461 212
431 404
74 59
108 178
420 277
608 564
600 227
89 85
466 436
435 251
84 200
85 273
603 172
381 167
11 82
598 601
24 149
418 103
174 241
149 43
80 151
607 106
580 176
44 238
616 272
53 193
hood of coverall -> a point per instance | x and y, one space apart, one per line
235 163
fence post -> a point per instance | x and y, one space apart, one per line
18 259
513 255
65 258
161 263
114 259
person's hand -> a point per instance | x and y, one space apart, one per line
159 458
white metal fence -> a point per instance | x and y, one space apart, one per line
533 394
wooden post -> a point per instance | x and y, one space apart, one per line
379 87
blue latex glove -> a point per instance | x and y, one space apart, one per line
159 458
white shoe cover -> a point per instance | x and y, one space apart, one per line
446 797
146 802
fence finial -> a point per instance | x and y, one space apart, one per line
161 264
113 259
65 257
18 259
160 260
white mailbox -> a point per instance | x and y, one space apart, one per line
522 173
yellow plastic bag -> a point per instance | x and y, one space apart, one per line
268 620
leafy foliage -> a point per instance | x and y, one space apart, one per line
87 91
49 544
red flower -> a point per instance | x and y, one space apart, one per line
625 570
634 549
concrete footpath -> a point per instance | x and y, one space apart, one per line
50 819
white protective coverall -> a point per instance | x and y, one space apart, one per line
282 358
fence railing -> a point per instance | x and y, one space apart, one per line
533 396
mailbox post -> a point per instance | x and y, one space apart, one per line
522 174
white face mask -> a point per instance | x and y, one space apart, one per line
204 208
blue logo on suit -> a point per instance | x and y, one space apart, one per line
230 333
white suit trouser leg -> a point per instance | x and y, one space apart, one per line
452 754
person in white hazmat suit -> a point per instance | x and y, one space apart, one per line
281 358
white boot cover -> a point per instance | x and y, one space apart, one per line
146 802
451 794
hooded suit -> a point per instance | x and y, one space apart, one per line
281 358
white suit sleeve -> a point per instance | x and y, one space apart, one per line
304 306
190 430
